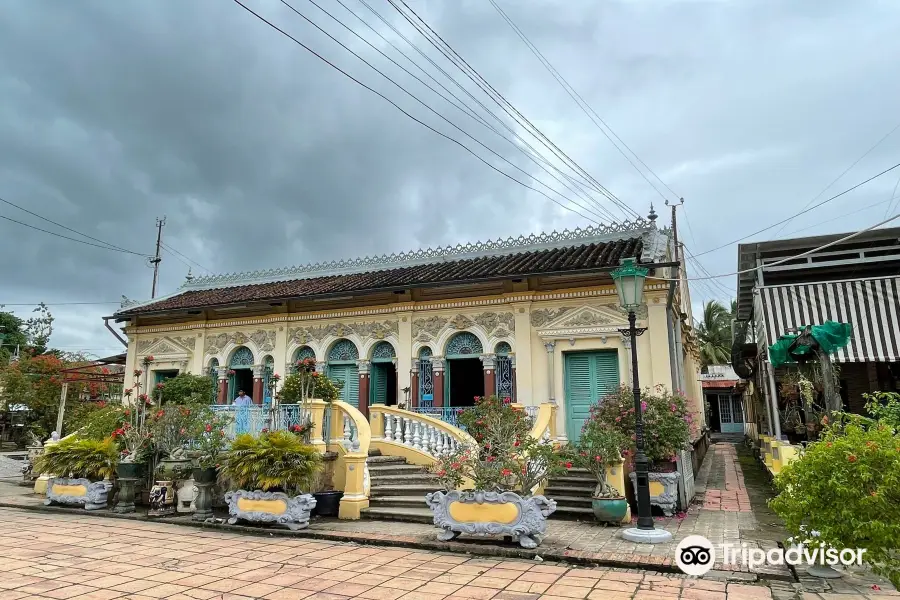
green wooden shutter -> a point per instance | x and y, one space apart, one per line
379 385
351 386
579 392
607 372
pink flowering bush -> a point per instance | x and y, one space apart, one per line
667 422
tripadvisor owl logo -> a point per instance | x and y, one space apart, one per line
695 555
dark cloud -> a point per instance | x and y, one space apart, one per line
259 155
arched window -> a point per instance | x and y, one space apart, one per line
426 378
464 343
304 352
342 351
503 370
268 371
242 358
383 351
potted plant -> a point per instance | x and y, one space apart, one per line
601 446
267 475
210 448
667 431
500 476
173 427
82 469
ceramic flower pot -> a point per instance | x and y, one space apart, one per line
491 513
206 475
609 510
328 503
126 470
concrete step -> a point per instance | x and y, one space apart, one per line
572 501
569 490
405 479
578 479
397 501
382 460
404 490
374 452
379 469
410 515
573 513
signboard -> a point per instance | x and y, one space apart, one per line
427 397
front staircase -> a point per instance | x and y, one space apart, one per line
572 493
398 490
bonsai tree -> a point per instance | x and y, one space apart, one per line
73 457
667 423
599 447
273 461
211 443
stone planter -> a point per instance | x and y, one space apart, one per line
204 481
93 495
609 510
130 470
127 475
663 491
184 496
270 507
491 513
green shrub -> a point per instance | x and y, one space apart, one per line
274 461
185 388
96 421
884 407
599 446
846 486
75 457
667 423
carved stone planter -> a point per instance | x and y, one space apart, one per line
270 507
93 495
491 513
663 490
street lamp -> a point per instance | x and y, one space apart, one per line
629 280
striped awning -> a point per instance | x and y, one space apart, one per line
870 306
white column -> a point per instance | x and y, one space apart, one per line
197 366
626 343
404 351
279 355
525 393
551 349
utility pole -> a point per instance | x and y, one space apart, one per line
675 229
157 259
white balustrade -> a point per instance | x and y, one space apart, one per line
388 432
421 432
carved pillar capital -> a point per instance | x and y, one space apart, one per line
364 366
437 364
489 361
550 345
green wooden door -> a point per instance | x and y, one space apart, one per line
588 377
378 391
348 375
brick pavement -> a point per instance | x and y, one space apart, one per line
728 483
84 558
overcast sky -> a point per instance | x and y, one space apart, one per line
259 155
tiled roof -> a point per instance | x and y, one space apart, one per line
578 257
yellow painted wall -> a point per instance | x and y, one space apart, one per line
569 320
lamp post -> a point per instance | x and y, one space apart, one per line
629 280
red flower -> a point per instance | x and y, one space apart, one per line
128 393
138 372
516 443
148 359
568 465
182 431
265 430
208 428
455 465
490 459
101 404
315 373
160 413
160 386
852 458
506 472
598 458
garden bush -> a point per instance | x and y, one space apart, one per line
273 461
75 457
846 486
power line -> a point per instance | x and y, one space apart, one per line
584 106
427 106
395 105
537 159
845 215
893 195
189 262
806 210
847 170
34 214
789 258
459 62
55 303
72 239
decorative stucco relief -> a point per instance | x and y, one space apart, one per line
542 316
161 345
428 328
263 339
377 330
491 321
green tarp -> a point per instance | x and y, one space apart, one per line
831 337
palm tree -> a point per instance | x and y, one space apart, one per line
714 332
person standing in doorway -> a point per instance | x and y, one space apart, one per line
243 399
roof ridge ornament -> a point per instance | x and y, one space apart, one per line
460 251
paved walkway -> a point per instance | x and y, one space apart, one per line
730 508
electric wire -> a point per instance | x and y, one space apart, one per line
395 105
847 170
447 50
65 237
189 260
805 210
34 214
584 106
893 195
464 108
789 258
889 201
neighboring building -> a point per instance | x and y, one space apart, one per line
534 318
853 282
723 392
